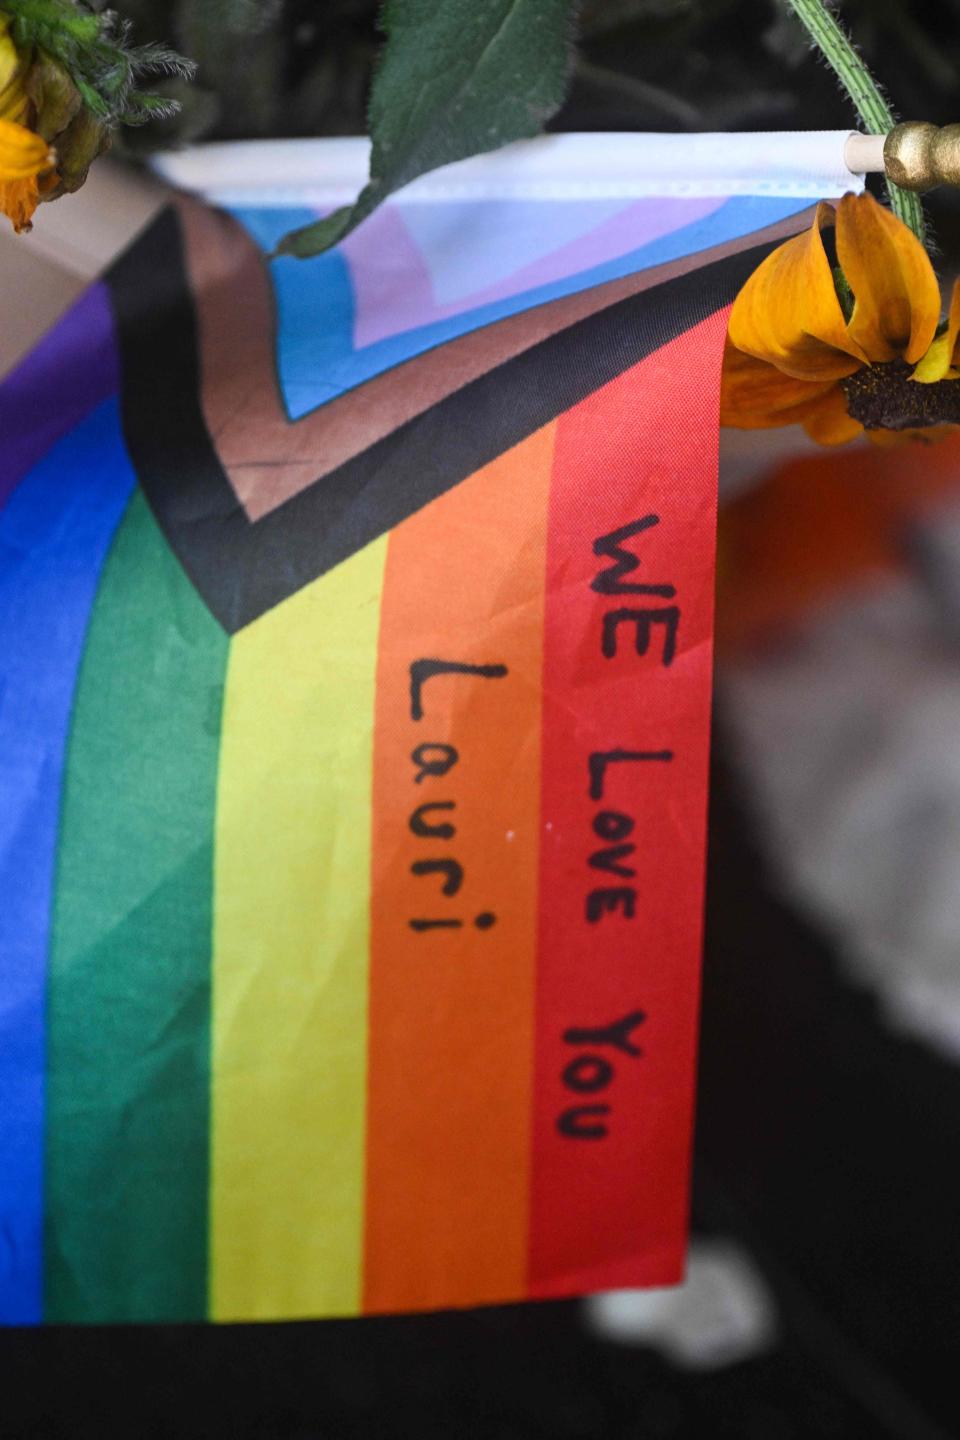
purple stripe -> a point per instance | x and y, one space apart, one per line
67 375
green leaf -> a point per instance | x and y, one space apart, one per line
457 77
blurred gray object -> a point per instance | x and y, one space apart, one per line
722 1314
850 737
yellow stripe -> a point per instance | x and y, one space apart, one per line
291 952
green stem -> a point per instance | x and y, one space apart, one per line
874 112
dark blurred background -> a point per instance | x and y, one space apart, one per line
824 1298
303 67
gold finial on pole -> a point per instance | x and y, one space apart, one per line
919 156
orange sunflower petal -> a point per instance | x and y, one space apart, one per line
757 396
13 97
897 307
788 312
829 423
18 201
939 360
953 325
22 153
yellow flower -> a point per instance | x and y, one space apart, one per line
884 363
26 159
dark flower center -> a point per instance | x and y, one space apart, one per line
883 397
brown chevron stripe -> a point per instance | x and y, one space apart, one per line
267 457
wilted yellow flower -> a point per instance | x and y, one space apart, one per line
26 159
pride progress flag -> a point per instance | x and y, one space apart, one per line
355 637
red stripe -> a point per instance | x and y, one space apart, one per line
613 1210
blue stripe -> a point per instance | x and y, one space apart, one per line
54 536
316 358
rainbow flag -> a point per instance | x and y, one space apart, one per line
355 637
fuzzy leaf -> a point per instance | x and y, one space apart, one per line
457 77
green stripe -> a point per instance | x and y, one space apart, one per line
129 1008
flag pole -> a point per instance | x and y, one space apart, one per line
915 155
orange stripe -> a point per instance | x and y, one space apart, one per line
451 1010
